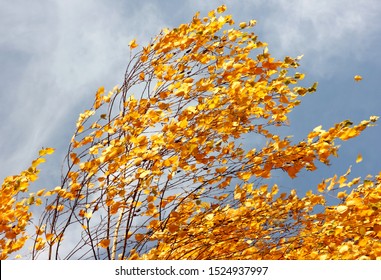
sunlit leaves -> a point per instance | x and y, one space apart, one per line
46 151
175 163
15 213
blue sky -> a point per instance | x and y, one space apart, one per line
55 54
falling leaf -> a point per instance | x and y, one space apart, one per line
359 158
357 78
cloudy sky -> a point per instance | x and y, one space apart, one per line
55 54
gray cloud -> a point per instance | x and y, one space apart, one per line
322 30
54 55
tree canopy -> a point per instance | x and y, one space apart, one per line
175 163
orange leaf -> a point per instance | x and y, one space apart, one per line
173 228
142 76
221 169
139 237
133 44
104 243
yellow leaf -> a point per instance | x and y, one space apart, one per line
144 174
321 186
342 209
88 215
252 22
36 162
104 243
133 44
348 133
183 123
362 230
40 244
263 188
30 200
359 158
343 248
40 192
244 175
46 151
242 24
40 230
192 109
209 217
38 201
341 195
357 78
318 129
49 236
373 118
74 158
221 9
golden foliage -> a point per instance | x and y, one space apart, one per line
15 214
164 174
266 226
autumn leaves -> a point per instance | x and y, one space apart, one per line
15 213
156 168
